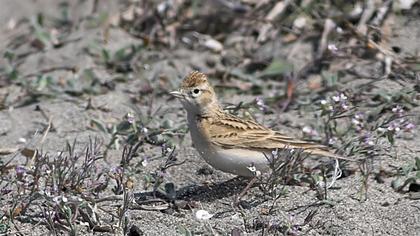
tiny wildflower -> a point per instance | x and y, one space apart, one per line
394 127
367 139
166 149
332 140
20 170
64 199
330 108
326 106
381 130
57 200
275 152
116 170
398 110
130 118
161 174
261 104
358 121
332 48
145 162
344 106
409 127
309 131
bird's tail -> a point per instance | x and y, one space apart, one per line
325 152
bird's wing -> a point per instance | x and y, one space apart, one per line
232 132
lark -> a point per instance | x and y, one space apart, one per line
229 143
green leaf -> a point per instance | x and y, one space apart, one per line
397 183
105 56
13 75
407 169
416 67
277 67
390 136
43 37
417 163
182 230
4 228
99 125
9 55
123 126
42 82
329 78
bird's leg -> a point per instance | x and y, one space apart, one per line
255 173
245 190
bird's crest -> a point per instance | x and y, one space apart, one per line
194 79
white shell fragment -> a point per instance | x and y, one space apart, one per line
203 215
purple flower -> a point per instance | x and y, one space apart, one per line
335 103
333 48
161 174
309 131
326 106
332 140
367 139
116 170
358 121
339 98
344 106
409 127
20 170
398 110
275 153
130 118
166 149
261 104
394 126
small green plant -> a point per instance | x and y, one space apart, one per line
62 186
4 225
408 175
10 71
363 134
119 61
286 169
139 127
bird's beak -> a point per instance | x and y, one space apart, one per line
177 94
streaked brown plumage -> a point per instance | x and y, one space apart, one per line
227 142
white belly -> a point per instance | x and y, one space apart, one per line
237 161
234 161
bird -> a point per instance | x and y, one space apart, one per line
230 143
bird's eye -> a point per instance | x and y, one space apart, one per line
196 92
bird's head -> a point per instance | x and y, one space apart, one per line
196 94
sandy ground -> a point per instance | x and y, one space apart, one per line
385 212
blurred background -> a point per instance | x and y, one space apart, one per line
342 73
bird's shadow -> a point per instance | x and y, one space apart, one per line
202 193
211 192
